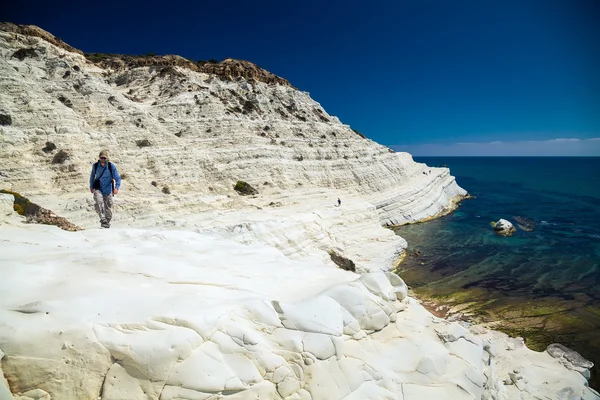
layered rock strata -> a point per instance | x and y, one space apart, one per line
195 132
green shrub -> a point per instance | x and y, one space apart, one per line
244 188
342 262
60 157
143 143
22 205
65 101
5 120
249 107
359 134
22 54
49 147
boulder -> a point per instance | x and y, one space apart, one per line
504 227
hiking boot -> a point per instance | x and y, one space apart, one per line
104 224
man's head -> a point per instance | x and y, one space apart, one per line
103 156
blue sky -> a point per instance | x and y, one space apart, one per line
429 77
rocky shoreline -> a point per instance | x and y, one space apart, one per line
517 317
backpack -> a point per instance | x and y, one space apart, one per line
112 180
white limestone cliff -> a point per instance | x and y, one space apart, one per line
202 134
205 294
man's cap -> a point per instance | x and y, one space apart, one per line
103 153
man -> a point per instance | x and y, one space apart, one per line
105 182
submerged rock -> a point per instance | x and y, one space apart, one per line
504 227
524 223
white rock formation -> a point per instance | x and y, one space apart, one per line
170 314
204 294
205 133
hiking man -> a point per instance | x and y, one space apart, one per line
105 182
339 202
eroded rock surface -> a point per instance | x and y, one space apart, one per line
168 314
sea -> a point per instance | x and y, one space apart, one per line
542 283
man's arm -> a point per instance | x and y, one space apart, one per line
92 178
117 179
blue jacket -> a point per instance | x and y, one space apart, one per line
105 180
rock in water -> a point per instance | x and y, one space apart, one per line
504 227
524 223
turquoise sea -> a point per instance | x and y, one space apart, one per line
543 282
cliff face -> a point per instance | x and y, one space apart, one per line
196 129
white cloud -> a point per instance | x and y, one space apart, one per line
550 147
565 140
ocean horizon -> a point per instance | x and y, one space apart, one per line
541 283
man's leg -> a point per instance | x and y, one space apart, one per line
108 203
99 205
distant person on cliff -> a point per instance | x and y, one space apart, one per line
339 202
105 182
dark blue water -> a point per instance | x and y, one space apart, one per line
551 268
559 197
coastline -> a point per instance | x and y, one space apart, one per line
534 333
438 309
453 204
539 323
